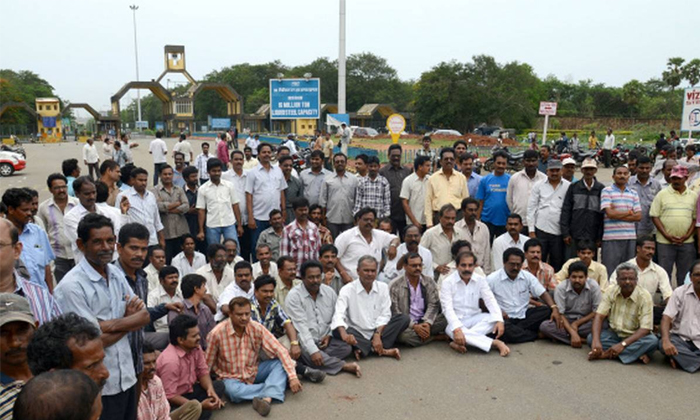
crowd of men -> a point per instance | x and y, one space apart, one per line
232 281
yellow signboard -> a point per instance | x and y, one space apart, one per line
395 124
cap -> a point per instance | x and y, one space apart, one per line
679 171
15 308
589 163
568 161
554 164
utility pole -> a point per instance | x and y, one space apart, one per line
134 8
341 61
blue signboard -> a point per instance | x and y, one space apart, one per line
160 125
220 123
295 98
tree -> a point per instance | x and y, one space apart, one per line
632 93
673 75
23 86
691 71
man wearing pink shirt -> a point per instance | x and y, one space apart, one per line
222 150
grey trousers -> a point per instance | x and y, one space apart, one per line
645 345
159 340
549 329
396 325
410 338
333 356
688 357
614 253
680 255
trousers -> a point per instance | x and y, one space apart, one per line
270 381
688 357
214 234
645 345
552 248
614 253
526 329
409 337
549 328
396 325
680 255
191 410
121 406
333 356
156 172
200 394
476 330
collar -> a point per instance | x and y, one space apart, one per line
503 276
162 292
72 202
615 187
690 290
361 288
617 292
140 273
673 191
92 274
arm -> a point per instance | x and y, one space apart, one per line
387 199
429 196
566 211
509 195
184 203
249 205
446 293
296 313
283 205
409 212
668 347
201 216
533 205
49 278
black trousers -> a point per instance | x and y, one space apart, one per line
397 324
156 172
494 231
399 226
172 248
607 155
338 228
198 393
121 406
526 329
552 248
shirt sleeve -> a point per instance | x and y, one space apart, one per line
481 192
536 287
532 207
429 203
606 302
71 299
48 255
201 200
446 293
605 199
405 192
295 310
322 200
646 312
560 298
387 199
509 193
212 348
674 303
597 296
664 284
655 209
341 307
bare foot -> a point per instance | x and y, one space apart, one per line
456 347
672 361
607 354
395 353
502 348
645 359
595 355
358 354
353 368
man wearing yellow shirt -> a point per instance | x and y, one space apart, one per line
596 271
445 186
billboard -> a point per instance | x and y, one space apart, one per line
548 108
691 110
295 99
220 123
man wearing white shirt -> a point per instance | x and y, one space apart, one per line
395 267
476 233
159 150
544 214
521 183
608 145
201 163
232 257
218 275
363 317
291 144
166 292
217 203
466 323
238 176
253 142
363 240
91 158
242 286
188 261
264 265
143 207
511 239
412 193
185 147
264 190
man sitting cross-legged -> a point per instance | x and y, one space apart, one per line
577 298
629 310
310 306
467 324
233 354
363 314
416 295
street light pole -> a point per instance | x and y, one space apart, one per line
341 61
134 8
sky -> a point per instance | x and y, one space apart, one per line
85 48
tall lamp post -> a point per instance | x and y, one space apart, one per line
134 8
341 61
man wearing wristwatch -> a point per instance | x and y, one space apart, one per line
630 313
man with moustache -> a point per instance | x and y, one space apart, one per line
395 267
439 238
520 186
337 197
300 239
513 238
578 297
466 323
167 292
646 187
395 173
241 287
238 176
621 207
218 274
143 206
218 207
476 233
596 271
51 212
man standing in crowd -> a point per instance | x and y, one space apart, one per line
191 176
544 214
300 239
520 186
361 166
345 135
608 145
238 176
178 179
272 236
646 187
493 188
51 212
143 207
337 196
217 203
295 186
201 163
218 275
185 147
412 194
172 206
373 191
445 186
222 149
622 210
36 252
159 150
91 158
71 171
264 192
511 239
110 174
429 153
395 173
253 142
250 161
466 164
156 260
313 177
545 152
673 212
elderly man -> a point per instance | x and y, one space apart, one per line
363 314
460 296
512 287
310 306
477 233
233 355
596 271
363 240
445 186
511 239
673 212
651 276
680 335
395 267
628 309
287 278
578 297
622 209
416 295
337 196
300 238
544 213
438 239
520 186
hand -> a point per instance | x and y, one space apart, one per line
568 240
499 329
295 351
574 325
328 277
459 337
175 306
669 348
391 252
239 229
443 269
295 385
251 223
124 205
559 320
616 350
200 236
505 315
576 340
325 341
214 398
350 339
532 235
133 305
192 210
423 330
317 359
377 344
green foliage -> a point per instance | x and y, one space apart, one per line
24 86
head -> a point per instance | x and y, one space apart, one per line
68 342
447 159
667 168
554 168
458 247
460 147
188 244
315 214
179 160
646 247
466 262
149 361
191 176
586 250
237 160
133 247
276 220
568 170
231 250
166 175
239 312
59 395
421 165
58 186
339 162
301 209
264 153
695 275
96 239
287 268
679 176
386 225
533 251
110 171
530 160
247 152
426 142
361 163
365 219
216 253
193 284
169 278
139 180
286 165
10 246
117 145
264 254
578 273
205 148
85 191
500 162
17 326
183 137
514 225
90 141
620 176
395 155
69 167
412 237
35 200
316 160
513 259
470 208
413 266
156 256
632 164
312 276
372 166
214 168
243 273
126 174
19 206
184 332
627 276
328 257
265 289
545 151
367 270
644 166
448 216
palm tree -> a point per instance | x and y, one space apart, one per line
673 75
691 71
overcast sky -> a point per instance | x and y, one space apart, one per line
85 48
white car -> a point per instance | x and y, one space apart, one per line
446 132
11 162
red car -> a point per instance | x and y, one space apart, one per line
11 162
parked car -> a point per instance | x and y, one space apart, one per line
11 162
446 132
364 132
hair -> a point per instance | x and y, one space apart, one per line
189 282
327 248
263 145
247 148
530 154
444 209
14 197
147 348
426 137
420 161
457 245
394 146
282 148
625 266
64 394
126 173
695 264
515 216
264 280
274 212
239 301
284 158
386 220
546 147
212 249
183 136
409 227
284 259
152 250
108 165
317 154
644 238
32 192
205 144
166 271
227 240
363 211
101 192
458 142
530 243
137 171
69 166
372 160
624 167
578 266
237 152
463 254
186 236
242 265
465 156
159 134
467 201
214 163
314 207
500 154
367 258
299 202
585 244
343 155
54 176
412 255
514 251
80 181
446 150
49 349
133 230
179 326
260 247
310 264
164 167
188 171
92 221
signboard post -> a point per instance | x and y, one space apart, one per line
395 124
691 111
292 99
547 109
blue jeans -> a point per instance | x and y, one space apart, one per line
271 381
645 345
260 226
214 234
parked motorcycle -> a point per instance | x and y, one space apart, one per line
578 155
515 160
300 159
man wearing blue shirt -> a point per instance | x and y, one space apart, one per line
493 208
36 248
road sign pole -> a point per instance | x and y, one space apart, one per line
544 132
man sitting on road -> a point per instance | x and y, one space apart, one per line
511 239
241 287
456 249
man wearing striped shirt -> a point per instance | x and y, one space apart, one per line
622 209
